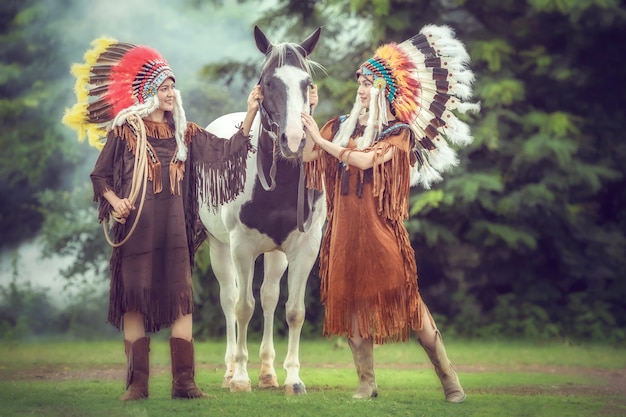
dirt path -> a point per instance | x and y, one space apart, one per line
603 382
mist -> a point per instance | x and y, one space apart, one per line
188 37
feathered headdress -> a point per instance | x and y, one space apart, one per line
117 80
423 78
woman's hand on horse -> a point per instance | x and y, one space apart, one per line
254 97
313 98
311 127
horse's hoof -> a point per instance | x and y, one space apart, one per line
240 386
228 376
295 389
268 381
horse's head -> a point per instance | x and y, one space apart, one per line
285 81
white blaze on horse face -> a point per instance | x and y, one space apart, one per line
293 78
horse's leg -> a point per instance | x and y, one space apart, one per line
244 266
223 270
275 264
300 263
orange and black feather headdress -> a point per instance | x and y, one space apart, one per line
424 79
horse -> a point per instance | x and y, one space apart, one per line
272 216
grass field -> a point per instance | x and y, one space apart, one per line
503 379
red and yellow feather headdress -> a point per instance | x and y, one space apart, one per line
116 79
424 78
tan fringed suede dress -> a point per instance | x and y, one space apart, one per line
151 273
367 264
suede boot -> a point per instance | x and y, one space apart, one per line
364 362
183 370
449 380
137 357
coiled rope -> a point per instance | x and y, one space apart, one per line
139 180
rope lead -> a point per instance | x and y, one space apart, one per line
139 180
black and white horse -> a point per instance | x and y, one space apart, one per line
273 216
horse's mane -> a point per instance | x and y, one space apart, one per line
279 52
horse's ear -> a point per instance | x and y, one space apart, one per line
261 40
309 43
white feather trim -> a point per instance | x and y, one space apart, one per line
471 107
443 158
452 50
428 175
414 175
180 121
347 127
465 77
462 91
141 110
374 119
457 132
438 32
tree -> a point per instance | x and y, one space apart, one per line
34 155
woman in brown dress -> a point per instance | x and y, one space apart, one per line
366 162
151 149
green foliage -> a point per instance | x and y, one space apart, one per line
576 9
84 317
515 318
495 52
502 92
71 229
33 154
28 313
431 198
494 234
25 311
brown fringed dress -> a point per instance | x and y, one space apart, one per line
367 264
151 273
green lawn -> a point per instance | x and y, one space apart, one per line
68 379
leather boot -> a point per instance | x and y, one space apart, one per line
183 370
449 380
138 359
364 361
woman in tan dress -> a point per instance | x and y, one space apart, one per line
150 147
366 162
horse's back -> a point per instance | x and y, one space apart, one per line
226 126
